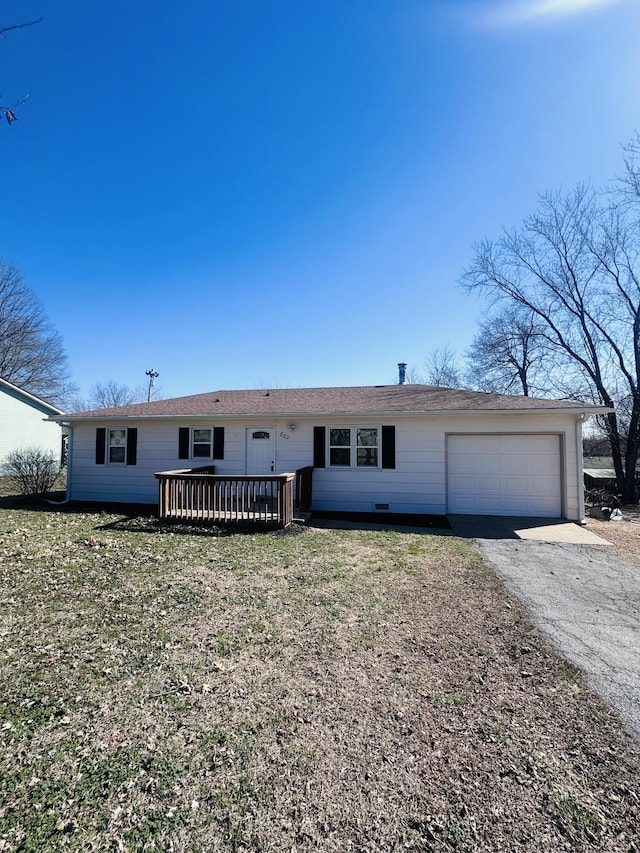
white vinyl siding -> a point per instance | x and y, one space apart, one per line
23 424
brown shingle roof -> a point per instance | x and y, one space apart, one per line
360 400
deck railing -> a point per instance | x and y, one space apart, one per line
304 488
200 495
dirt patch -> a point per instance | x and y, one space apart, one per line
624 535
331 690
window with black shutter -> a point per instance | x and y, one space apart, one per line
201 442
117 446
356 447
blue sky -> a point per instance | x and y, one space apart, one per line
243 194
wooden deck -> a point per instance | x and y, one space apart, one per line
199 495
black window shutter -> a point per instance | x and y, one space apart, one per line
319 450
101 443
183 443
132 446
388 447
218 442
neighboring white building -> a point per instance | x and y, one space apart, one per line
25 422
391 448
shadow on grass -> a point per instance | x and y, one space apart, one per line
142 518
55 503
133 518
33 503
139 523
145 523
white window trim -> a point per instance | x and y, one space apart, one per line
108 459
353 430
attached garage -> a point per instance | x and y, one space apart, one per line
505 474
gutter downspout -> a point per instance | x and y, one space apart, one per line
579 462
67 498
69 458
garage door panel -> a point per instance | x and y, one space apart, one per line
491 444
544 465
518 506
464 463
504 475
467 506
514 444
512 466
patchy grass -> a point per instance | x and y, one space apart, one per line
175 690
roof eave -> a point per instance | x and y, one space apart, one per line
31 399
587 409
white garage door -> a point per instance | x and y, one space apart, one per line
504 475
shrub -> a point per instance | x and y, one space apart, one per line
33 471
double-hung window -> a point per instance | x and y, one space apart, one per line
117 446
201 442
354 447
367 444
340 447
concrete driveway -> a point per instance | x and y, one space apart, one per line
580 593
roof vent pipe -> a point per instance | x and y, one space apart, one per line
402 367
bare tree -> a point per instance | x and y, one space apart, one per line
575 266
442 369
9 111
510 355
104 395
32 471
413 377
32 355
109 394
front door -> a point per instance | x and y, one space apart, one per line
261 450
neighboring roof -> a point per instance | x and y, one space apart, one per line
600 473
30 399
361 400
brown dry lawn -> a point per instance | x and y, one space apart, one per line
623 535
336 690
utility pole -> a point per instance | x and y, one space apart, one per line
153 375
